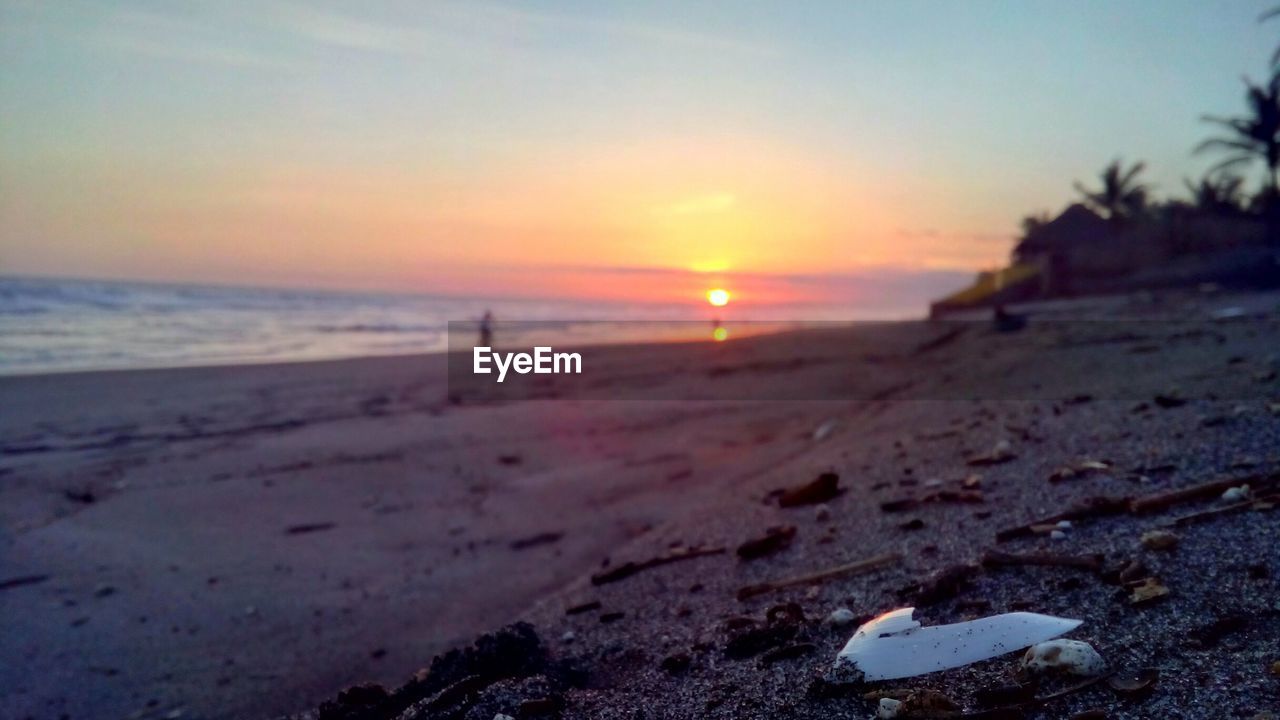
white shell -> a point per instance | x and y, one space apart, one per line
896 646
889 708
1057 535
1068 656
840 617
1236 494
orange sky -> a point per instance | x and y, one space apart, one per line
591 149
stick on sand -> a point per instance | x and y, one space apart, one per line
858 567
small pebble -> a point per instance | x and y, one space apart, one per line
1069 656
1057 535
568 637
889 708
841 617
1064 524
1159 540
822 513
1236 494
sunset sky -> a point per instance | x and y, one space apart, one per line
631 150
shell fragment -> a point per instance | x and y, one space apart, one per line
896 646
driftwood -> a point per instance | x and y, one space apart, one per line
996 558
860 566
1093 507
626 570
1225 510
1204 491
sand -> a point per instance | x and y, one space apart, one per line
247 541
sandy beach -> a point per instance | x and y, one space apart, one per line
246 542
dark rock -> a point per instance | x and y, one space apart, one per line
942 585
782 624
824 488
545 538
774 540
584 607
1208 636
676 664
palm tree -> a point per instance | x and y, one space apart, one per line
1252 136
1220 193
1121 196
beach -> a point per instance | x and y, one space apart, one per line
247 541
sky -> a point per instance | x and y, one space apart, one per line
636 151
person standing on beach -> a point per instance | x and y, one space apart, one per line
486 329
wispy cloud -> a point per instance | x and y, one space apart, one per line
701 205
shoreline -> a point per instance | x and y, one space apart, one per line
246 541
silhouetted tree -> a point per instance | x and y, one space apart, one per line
1032 224
1252 136
1121 197
1220 193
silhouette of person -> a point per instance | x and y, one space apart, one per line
486 329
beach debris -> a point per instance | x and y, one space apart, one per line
1209 635
1236 494
1079 470
1133 682
1004 695
841 617
309 528
942 585
84 497
823 431
1094 507
912 524
1072 657
919 703
582 608
610 617
822 513
1170 400
676 664
894 645
628 569
999 559
1057 535
748 638
510 459
820 490
1159 540
1263 503
888 708
21 580
906 504
503 716
568 636
787 652
1203 491
853 568
545 538
775 539
1001 452
1146 590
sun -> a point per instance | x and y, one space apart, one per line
718 297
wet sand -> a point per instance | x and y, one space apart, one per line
247 541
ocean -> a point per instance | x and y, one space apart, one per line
58 325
